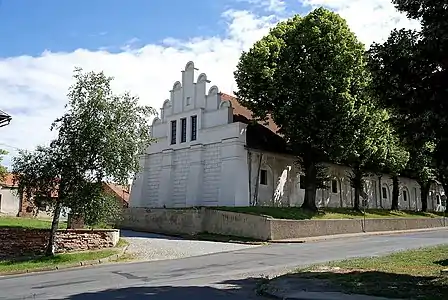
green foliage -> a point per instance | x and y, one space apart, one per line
309 75
410 77
100 136
38 174
3 170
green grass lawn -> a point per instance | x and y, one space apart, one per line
407 275
57 260
29 223
296 213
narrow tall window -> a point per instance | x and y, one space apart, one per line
302 182
334 186
173 132
384 192
194 127
264 177
438 199
183 130
405 196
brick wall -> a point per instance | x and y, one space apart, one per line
19 242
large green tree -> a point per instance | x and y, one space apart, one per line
369 150
396 161
420 166
100 136
410 72
308 74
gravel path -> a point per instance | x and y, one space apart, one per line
148 246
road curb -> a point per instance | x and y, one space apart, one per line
353 235
85 263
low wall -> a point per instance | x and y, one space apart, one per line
169 221
193 221
290 229
19 242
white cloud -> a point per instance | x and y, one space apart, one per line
371 20
33 89
276 6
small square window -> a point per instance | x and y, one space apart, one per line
334 186
264 177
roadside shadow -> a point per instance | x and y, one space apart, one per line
375 283
443 262
147 235
235 289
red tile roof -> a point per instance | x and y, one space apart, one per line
120 190
262 136
241 114
8 181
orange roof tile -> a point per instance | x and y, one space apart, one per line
8 181
242 114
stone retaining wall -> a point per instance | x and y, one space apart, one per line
19 241
193 221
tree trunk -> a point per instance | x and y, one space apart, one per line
424 191
50 250
395 192
309 202
356 183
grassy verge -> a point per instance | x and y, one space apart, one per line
296 213
28 223
410 274
57 260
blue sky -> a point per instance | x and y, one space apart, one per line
43 41
30 27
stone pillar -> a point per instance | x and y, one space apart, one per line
166 180
234 187
195 176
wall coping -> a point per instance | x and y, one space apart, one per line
59 230
357 219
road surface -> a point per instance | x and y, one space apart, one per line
228 275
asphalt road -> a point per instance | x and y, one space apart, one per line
229 275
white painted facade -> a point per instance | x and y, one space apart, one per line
209 164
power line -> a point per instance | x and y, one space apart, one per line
10 146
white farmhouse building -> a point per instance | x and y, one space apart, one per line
208 154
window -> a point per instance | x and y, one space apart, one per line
302 182
188 100
405 196
334 186
173 132
438 199
264 177
384 192
194 127
183 130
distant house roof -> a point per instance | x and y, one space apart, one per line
8 181
4 118
260 135
120 191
